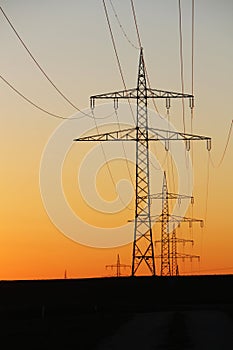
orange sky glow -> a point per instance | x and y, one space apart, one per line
73 45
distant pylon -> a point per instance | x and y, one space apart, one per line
118 266
65 274
168 255
142 133
175 255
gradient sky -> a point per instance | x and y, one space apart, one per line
71 41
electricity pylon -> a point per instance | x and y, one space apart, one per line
167 256
175 255
118 266
143 250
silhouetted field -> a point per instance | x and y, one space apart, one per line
83 313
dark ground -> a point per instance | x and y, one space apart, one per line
185 312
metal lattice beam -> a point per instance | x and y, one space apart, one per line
175 254
132 94
143 249
135 134
168 241
165 235
117 266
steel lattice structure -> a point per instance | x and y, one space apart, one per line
118 266
175 255
143 251
169 255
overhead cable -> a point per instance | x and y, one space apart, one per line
29 101
136 24
140 45
225 149
121 27
39 66
116 53
123 80
181 60
43 109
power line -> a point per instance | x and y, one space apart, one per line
148 80
153 100
207 186
135 21
192 69
41 69
182 71
43 109
171 160
124 151
147 76
140 44
181 60
107 163
122 77
192 60
225 149
31 102
121 27
114 44
52 114
116 53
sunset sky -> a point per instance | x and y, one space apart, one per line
72 43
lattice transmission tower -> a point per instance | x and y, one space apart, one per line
175 255
168 255
142 134
118 266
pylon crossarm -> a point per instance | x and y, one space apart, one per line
132 93
182 240
155 93
144 218
124 265
170 196
169 135
119 135
157 241
176 218
115 95
156 135
111 266
177 240
114 265
186 256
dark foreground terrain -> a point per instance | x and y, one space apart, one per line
185 312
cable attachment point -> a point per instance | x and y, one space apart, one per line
168 103
92 103
208 144
187 145
115 103
191 102
166 145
